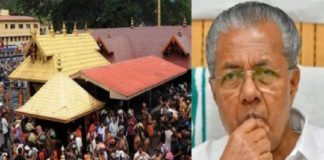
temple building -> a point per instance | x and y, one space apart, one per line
112 65
77 51
130 78
64 99
15 30
172 43
60 101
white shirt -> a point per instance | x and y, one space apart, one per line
92 146
143 156
309 146
102 131
78 142
113 128
4 125
168 135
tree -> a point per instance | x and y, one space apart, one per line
38 8
79 11
174 11
118 13
102 13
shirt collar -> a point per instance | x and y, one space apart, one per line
307 146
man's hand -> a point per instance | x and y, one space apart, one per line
249 142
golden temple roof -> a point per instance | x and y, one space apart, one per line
60 99
77 52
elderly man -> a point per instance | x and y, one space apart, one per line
252 51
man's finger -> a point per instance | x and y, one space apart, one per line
248 125
262 124
257 134
263 146
266 156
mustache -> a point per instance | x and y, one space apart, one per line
255 116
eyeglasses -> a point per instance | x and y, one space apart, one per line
263 77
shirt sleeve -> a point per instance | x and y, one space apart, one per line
5 123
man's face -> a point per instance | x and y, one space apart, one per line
251 48
143 105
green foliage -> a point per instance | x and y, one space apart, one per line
102 13
39 8
118 13
80 11
173 11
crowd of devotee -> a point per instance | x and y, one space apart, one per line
144 132
7 65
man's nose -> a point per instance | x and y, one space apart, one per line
250 94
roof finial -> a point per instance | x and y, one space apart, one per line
184 24
86 26
59 63
33 34
132 22
51 31
33 55
179 33
158 12
75 32
64 29
62 153
109 33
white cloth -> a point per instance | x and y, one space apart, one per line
143 156
168 135
102 132
4 125
309 146
120 154
92 146
113 128
107 120
78 142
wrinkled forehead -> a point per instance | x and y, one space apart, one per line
249 46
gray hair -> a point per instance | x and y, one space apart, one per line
248 14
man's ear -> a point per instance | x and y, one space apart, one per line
294 81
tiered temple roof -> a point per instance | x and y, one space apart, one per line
61 99
77 52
